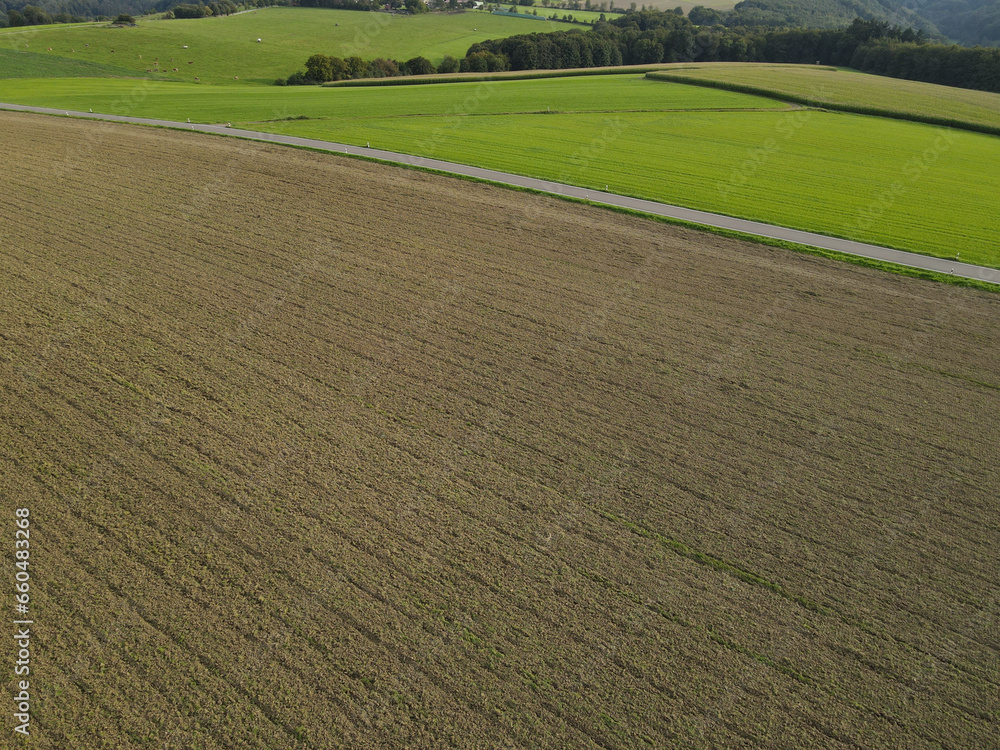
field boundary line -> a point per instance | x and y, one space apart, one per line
503 75
694 217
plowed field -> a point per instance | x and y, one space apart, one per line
320 453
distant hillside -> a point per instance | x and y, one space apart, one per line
824 14
964 21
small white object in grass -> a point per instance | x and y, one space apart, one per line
258 39
185 46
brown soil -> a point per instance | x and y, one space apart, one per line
321 453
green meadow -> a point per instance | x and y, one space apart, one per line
222 50
336 106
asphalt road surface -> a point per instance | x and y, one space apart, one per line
876 252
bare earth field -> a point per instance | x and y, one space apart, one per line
321 453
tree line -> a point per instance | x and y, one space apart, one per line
413 6
324 68
340 4
197 10
651 36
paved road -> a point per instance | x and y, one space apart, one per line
876 252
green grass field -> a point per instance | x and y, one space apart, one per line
846 87
222 49
336 106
